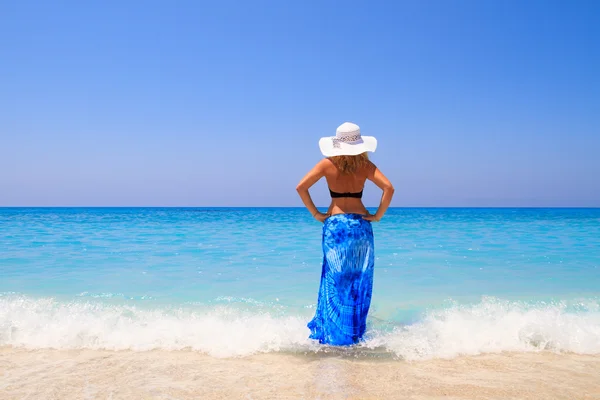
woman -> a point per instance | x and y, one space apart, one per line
347 275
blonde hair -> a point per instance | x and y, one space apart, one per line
350 164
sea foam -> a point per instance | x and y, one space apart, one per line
223 330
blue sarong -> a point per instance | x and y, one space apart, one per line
346 280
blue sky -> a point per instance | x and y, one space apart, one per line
189 103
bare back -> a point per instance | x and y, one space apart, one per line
346 183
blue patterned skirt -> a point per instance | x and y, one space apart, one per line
346 281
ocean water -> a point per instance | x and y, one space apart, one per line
232 282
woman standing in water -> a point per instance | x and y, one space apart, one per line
348 258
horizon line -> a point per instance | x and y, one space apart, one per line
300 207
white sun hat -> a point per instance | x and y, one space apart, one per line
347 142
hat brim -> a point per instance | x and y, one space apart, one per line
368 143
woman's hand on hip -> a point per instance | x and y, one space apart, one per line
321 217
372 218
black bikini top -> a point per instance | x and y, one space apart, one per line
357 195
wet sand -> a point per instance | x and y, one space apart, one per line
95 374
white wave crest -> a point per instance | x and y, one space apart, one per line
494 326
225 331
221 331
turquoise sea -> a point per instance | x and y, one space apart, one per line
238 281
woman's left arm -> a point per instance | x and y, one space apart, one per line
310 179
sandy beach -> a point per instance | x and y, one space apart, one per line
93 374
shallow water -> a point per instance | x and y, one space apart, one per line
235 282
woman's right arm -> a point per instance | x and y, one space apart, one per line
379 179
310 179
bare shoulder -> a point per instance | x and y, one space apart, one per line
370 168
326 161
325 164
